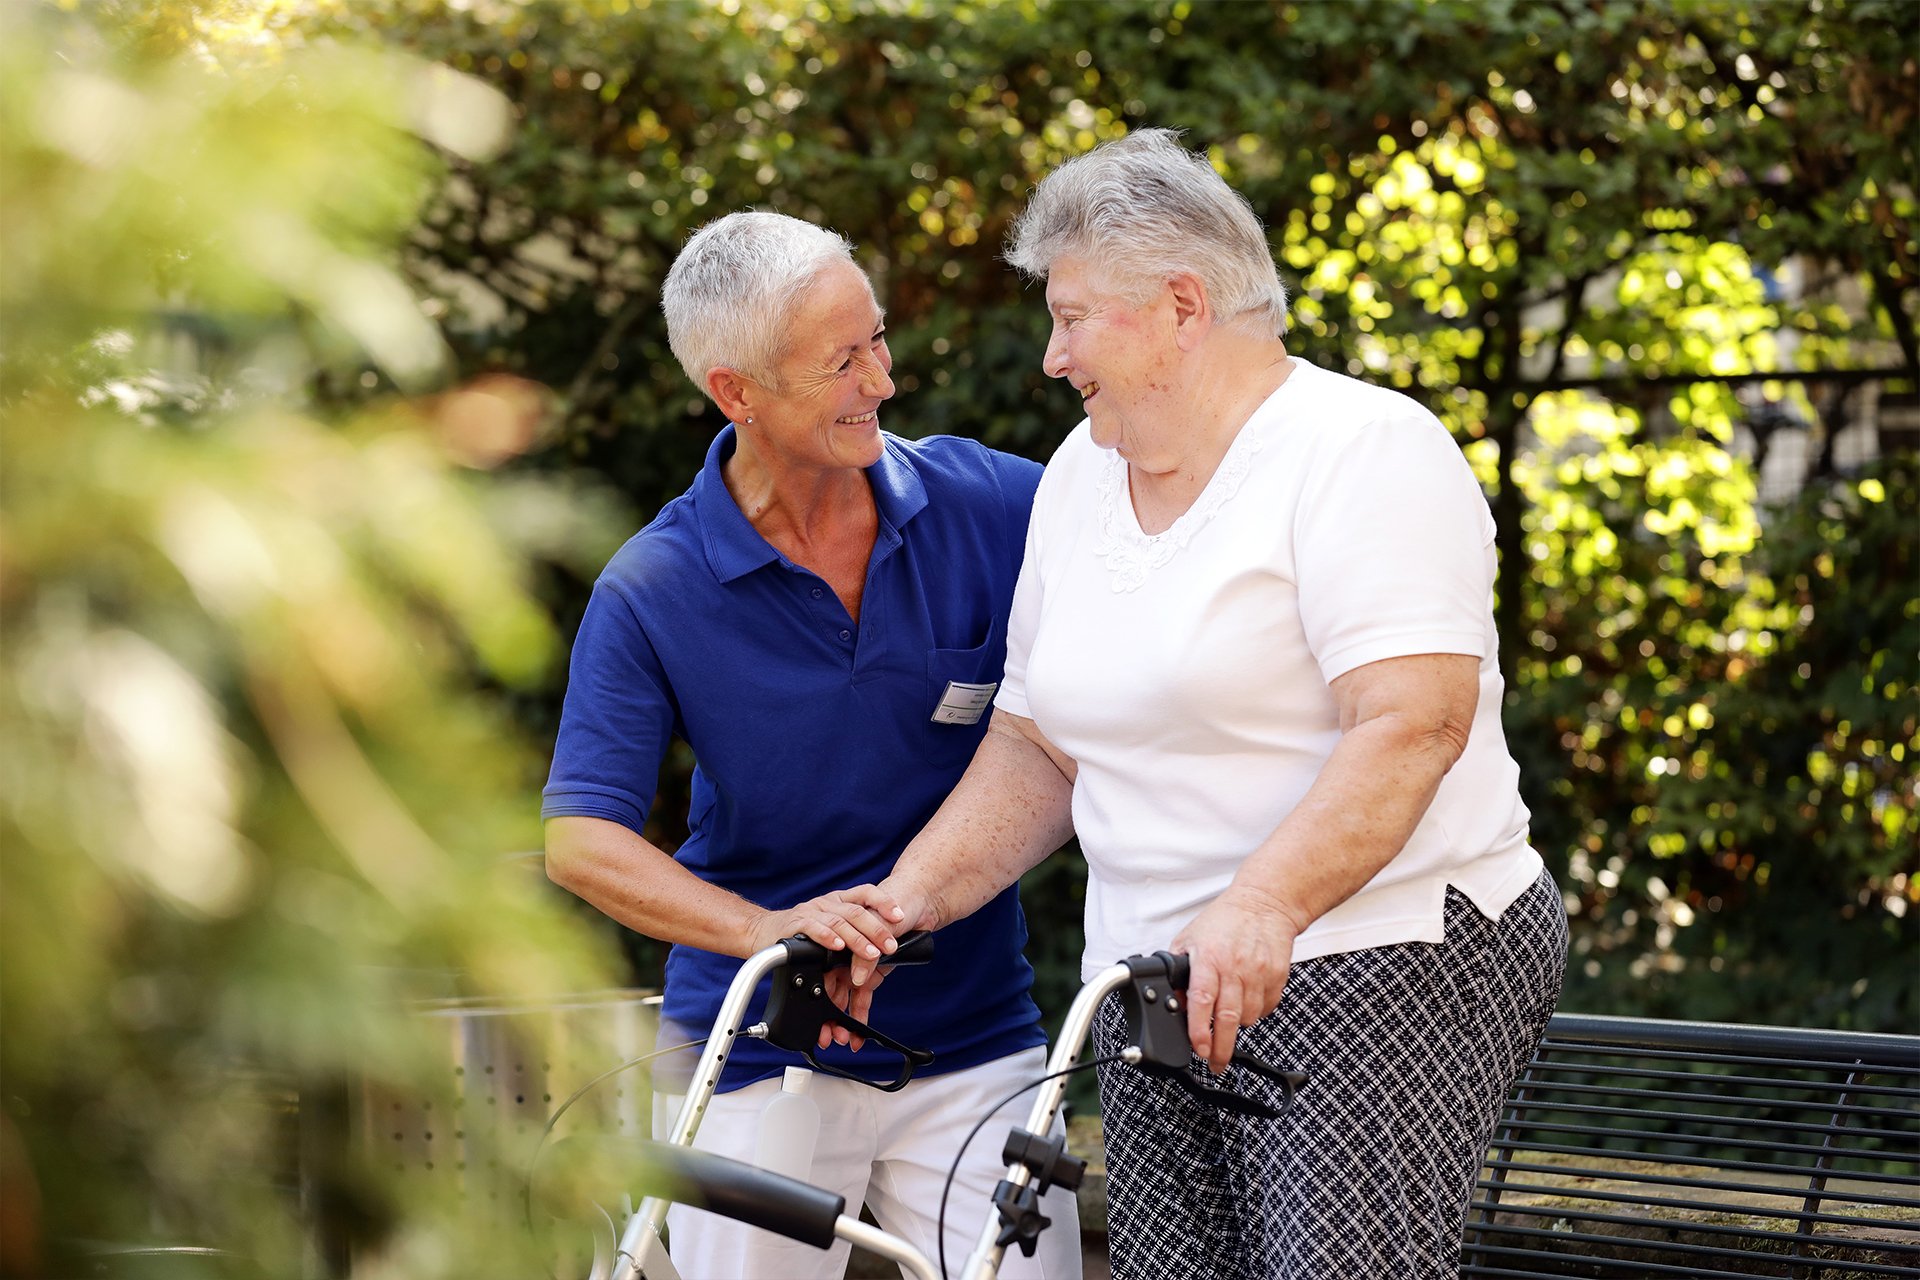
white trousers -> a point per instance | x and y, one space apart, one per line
890 1150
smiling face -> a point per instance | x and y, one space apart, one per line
1118 356
833 378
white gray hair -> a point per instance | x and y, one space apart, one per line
1143 209
729 295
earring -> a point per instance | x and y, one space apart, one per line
749 421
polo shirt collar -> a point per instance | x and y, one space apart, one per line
898 491
735 548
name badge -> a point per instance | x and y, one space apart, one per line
963 703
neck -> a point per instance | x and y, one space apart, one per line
792 504
1227 380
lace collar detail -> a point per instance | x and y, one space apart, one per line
1131 554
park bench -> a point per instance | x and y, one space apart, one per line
1632 1147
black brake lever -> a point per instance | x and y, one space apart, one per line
1239 1103
1152 1002
911 1059
1226 1099
1291 1081
799 1006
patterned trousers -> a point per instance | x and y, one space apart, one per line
1411 1050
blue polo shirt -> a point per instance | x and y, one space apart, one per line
817 755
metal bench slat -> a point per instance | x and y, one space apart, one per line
1739 1122
1838 1088
1567 1066
1551 1046
1750 1144
1794 1045
1705 1162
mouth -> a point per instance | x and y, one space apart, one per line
859 419
1088 392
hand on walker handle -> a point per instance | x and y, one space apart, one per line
907 911
857 1001
862 920
1239 950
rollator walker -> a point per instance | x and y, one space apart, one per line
1152 993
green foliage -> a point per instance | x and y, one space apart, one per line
257 776
1729 707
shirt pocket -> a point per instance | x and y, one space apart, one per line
947 744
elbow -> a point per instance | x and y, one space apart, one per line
1444 739
565 865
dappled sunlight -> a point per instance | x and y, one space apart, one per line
146 714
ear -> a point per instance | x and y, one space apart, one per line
734 392
1192 310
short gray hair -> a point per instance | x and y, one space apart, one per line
729 295
1143 209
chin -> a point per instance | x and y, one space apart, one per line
863 453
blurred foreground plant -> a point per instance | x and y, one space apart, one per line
257 778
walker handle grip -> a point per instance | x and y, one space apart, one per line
733 1189
803 953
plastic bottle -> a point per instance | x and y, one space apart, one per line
790 1127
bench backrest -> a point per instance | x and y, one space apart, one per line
1634 1147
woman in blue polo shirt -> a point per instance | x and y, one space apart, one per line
822 617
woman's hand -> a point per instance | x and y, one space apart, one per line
862 920
1239 950
856 1001
914 912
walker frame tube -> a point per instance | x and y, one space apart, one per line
984 1262
886 1245
643 1228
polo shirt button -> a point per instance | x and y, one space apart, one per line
816 593
846 635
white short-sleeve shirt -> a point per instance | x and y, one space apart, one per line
1187 672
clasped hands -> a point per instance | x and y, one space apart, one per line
1239 950
863 920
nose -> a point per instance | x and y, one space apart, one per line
1054 362
876 379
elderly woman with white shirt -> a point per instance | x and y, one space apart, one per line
1251 664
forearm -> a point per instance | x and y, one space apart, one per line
1012 807
1355 819
636 883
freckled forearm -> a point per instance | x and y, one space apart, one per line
1010 810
